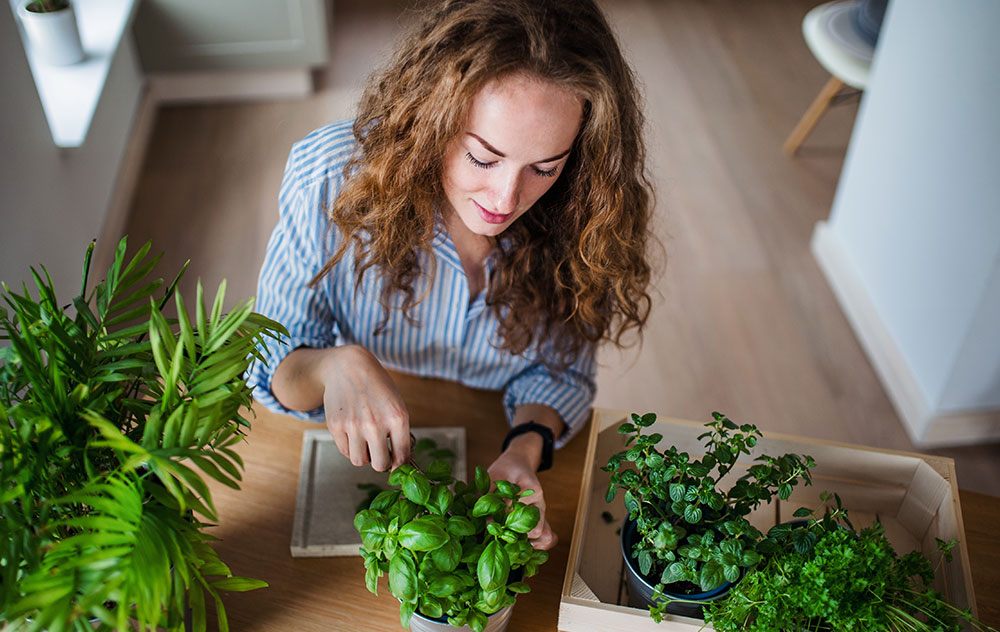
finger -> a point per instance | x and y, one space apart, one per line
340 438
544 540
399 432
358 450
378 450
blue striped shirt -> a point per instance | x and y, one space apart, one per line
454 339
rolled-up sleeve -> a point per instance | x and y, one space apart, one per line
296 251
570 392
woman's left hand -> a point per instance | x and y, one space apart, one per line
518 465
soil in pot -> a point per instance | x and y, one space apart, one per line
640 587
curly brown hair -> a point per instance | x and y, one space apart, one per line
573 270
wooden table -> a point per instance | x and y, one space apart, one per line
328 594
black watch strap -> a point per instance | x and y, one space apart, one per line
548 439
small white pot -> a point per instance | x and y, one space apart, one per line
53 37
497 623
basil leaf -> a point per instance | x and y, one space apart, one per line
440 500
422 534
405 613
482 480
460 526
384 500
403 576
477 621
447 556
487 504
430 607
444 585
507 489
439 471
522 518
493 567
417 488
371 579
373 533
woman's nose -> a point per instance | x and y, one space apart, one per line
508 193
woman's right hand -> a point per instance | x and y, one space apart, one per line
364 409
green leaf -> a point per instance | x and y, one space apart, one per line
487 504
406 610
447 557
477 621
403 576
417 488
675 572
519 587
444 585
440 500
692 514
493 567
711 576
631 504
677 492
522 517
422 534
731 573
645 562
371 579
482 480
238 584
430 607
506 489
460 526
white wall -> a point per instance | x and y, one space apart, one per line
916 219
53 201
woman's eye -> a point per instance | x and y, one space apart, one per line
479 163
546 173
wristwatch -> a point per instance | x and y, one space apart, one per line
548 438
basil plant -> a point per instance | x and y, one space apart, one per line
453 551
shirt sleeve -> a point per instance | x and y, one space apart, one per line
297 250
569 392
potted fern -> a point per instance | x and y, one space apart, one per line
111 418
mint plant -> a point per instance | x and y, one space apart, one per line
692 524
452 550
820 574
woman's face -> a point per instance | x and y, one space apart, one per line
515 144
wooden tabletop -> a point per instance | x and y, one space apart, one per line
324 594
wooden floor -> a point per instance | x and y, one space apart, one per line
743 323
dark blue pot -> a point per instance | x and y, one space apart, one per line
640 587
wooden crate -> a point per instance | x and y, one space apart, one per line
914 496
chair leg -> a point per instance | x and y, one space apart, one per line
812 115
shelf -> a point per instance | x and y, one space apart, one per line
70 94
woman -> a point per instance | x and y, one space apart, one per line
486 222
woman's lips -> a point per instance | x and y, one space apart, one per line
490 218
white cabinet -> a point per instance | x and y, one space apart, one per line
188 35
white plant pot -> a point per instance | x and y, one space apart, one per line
53 37
497 623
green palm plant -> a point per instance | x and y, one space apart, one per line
111 418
